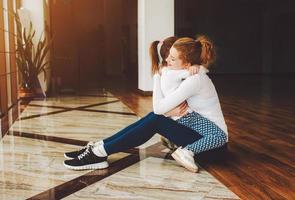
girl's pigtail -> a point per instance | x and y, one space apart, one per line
154 56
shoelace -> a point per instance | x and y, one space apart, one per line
89 144
85 153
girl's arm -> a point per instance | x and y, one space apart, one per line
185 73
194 69
179 111
161 105
182 109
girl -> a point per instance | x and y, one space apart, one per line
170 79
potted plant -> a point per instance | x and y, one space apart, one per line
31 58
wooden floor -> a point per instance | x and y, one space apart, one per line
260 114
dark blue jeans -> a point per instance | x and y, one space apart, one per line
141 131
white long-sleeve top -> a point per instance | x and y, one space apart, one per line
171 80
199 92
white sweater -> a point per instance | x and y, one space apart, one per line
171 80
199 92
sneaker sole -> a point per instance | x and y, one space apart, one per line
101 165
179 161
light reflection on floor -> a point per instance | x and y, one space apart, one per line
30 166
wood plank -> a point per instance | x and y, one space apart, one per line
260 162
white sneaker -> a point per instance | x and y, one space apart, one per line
185 158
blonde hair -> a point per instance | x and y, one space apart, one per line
200 51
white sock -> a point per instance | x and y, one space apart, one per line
100 142
98 150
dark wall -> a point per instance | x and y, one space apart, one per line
238 28
284 43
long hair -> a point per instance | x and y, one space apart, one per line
200 51
208 53
154 56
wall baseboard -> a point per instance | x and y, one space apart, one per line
144 93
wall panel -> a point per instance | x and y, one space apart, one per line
8 69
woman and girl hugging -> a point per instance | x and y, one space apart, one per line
186 108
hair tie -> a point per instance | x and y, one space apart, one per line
199 41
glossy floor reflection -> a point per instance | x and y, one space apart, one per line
32 166
75 118
155 178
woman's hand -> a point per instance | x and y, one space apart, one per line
179 111
193 69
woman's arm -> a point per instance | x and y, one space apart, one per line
161 105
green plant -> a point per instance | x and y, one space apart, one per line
30 57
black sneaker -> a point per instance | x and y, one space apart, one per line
75 154
87 160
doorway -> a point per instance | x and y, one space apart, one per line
94 41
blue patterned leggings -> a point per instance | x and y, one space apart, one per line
213 136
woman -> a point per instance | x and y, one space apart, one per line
184 53
200 94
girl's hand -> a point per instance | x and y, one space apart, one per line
160 70
193 69
179 111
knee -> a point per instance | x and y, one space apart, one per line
221 139
152 116
151 113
